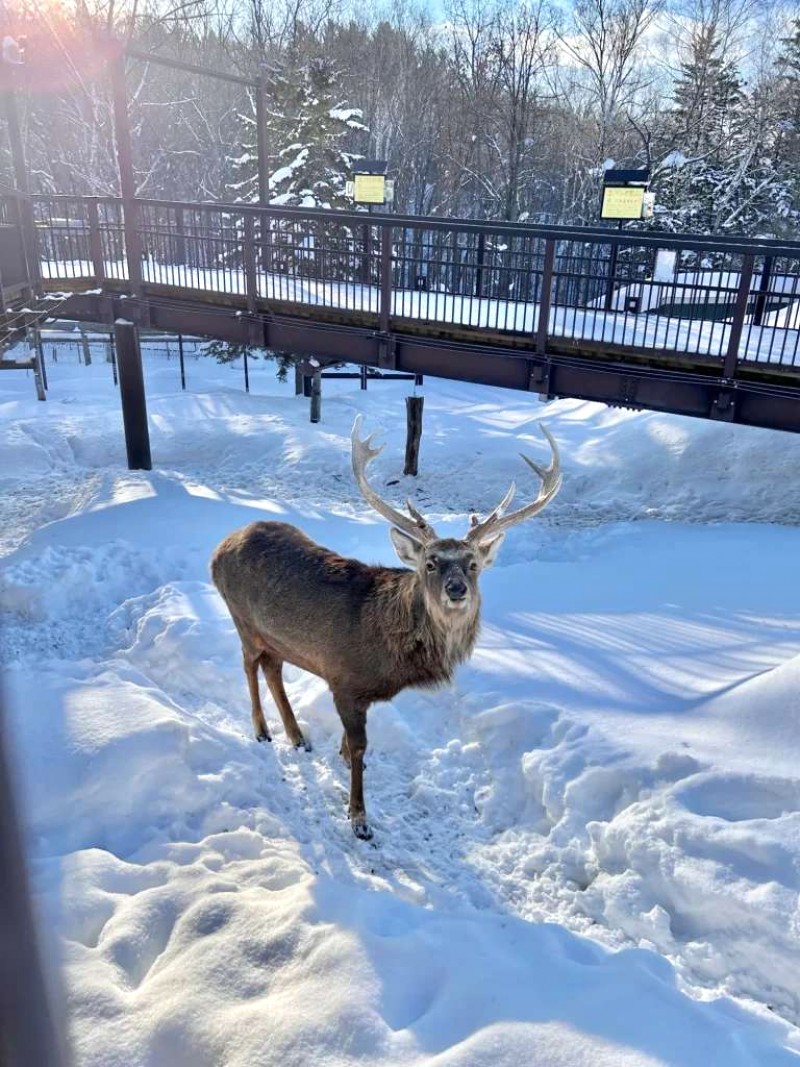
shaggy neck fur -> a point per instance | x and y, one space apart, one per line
427 642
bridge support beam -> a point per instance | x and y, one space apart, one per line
131 388
765 396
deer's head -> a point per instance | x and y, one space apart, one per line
448 569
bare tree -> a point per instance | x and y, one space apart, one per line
604 42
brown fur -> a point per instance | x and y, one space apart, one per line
369 631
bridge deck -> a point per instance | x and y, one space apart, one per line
768 345
694 325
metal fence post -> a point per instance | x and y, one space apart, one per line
95 241
385 307
612 270
543 322
480 264
180 237
366 244
739 312
763 291
127 180
250 275
131 387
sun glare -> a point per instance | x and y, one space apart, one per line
52 51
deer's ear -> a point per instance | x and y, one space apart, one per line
409 550
487 550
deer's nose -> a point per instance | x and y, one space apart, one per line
455 588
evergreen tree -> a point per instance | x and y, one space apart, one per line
788 105
707 96
702 129
309 137
308 133
723 167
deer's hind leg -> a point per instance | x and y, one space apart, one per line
273 672
250 660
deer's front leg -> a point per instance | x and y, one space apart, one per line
354 720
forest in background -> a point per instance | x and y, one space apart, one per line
487 109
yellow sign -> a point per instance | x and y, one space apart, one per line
369 189
622 203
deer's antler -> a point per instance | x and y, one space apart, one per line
496 523
416 525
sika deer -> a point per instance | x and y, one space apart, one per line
369 631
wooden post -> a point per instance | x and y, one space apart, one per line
38 377
134 406
414 405
36 337
87 352
298 380
112 357
316 396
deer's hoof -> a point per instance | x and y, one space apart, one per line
263 736
303 742
361 827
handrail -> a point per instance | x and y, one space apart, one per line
570 276
589 234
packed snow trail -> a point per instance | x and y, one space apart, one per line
619 758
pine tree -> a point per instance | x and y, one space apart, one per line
788 105
309 130
724 171
706 95
703 128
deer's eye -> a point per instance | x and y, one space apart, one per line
430 565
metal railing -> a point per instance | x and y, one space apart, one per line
728 301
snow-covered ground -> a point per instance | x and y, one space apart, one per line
587 852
